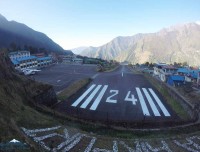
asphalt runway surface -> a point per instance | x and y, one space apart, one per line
119 96
61 76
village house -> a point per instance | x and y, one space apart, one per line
163 71
175 80
71 59
67 58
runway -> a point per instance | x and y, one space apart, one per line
119 96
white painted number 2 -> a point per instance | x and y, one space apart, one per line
115 92
132 98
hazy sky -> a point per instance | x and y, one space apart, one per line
74 23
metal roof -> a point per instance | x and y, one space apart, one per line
183 70
44 58
177 78
26 58
194 73
15 62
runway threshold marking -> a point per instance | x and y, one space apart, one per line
164 110
144 96
98 99
83 96
87 101
153 106
142 102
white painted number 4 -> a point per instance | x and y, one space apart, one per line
132 98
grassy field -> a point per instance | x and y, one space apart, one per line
108 67
72 89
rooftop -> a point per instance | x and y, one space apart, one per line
183 70
15 62
44 58
27 58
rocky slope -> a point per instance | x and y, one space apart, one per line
18 100
175 44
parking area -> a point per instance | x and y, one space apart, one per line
62 75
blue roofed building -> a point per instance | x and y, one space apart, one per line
23 60
194 73
183 71
163 71
44 61
175 80
190 74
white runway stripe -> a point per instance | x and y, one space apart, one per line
87 101
142 102
164 110
98 99
153 106
83 96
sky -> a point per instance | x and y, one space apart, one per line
76 23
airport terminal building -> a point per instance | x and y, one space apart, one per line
24 60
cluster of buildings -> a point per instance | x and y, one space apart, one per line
71 59
176 76
24 60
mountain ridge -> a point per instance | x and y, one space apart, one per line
21 35
178 43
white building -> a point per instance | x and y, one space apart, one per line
25 62
19 54
164 71
77 60
67 58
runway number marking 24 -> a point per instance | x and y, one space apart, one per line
127 98
145 97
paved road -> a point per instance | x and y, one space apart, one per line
62 75
119 96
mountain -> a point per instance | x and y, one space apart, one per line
180 43
78 50
12 32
